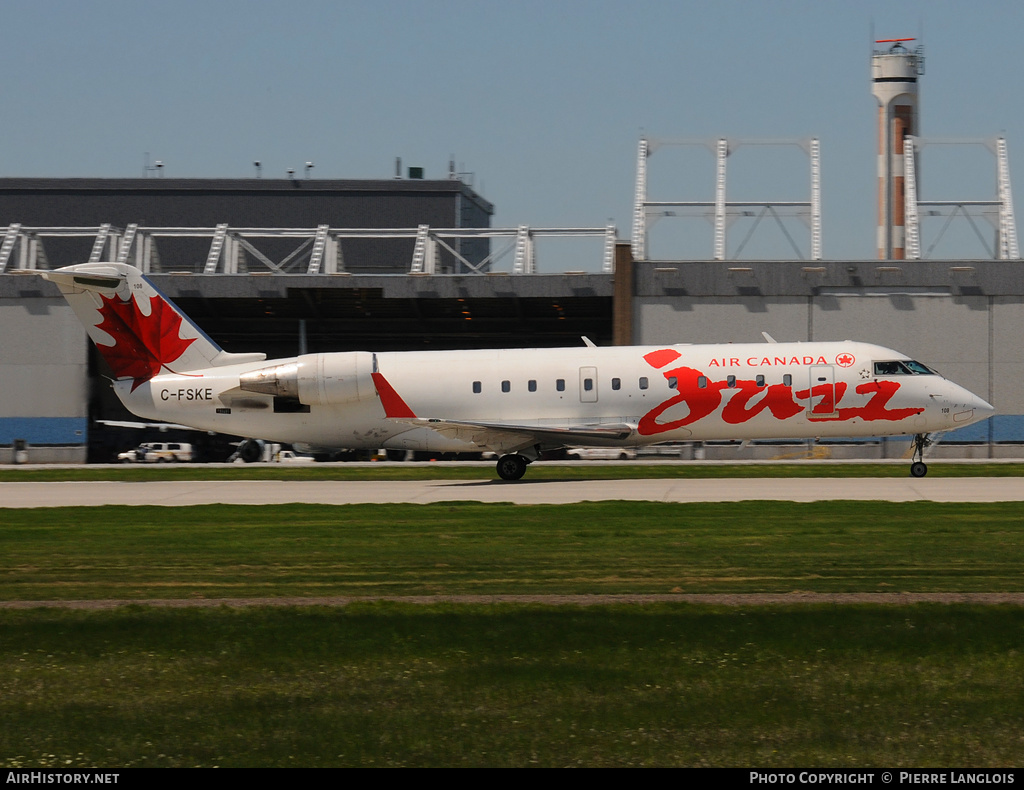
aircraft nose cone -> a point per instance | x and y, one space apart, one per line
982 406
969 408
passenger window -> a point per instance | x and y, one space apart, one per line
643 382
673 382
760 381
787 380
616 384
731 381
476 387
506 386
702 382
531 385
560 385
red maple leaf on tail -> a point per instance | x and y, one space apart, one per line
143 344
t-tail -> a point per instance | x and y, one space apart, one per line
139 331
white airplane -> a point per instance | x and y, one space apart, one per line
516 403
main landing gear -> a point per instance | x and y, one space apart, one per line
512 466
919 468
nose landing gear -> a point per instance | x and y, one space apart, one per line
919 468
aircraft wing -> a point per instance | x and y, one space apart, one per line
161 426
508 438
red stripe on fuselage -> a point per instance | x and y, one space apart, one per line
393 404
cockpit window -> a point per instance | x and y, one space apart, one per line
902 367
888 369
918 368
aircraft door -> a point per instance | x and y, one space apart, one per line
588 385
822 401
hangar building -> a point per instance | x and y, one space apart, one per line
962 317
65 204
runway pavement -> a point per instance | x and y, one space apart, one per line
523 492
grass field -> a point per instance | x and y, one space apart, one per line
380 685
469 548
443 684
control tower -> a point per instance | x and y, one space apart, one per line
894 73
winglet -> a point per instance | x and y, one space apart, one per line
392 402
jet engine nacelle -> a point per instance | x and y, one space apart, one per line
316 379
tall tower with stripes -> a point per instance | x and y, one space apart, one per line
894 74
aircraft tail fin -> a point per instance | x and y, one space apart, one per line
139 331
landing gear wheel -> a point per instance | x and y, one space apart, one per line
511 467
918 468
250 451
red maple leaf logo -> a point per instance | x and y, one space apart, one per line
143 344
845 360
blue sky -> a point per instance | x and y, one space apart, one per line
542 101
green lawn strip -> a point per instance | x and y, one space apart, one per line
226 551
485 471
506 685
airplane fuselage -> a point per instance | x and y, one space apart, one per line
515 402
663 393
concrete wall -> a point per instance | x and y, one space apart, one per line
43 370
1007 317
718 319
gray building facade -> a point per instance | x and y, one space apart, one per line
247 203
